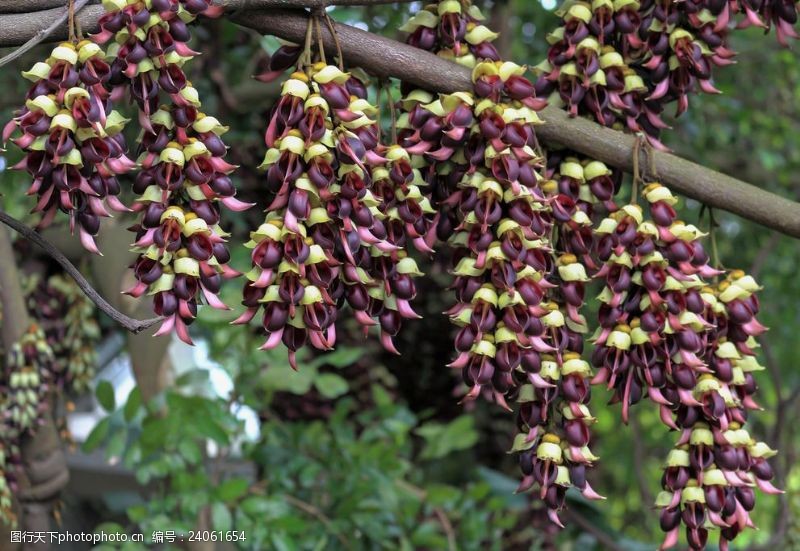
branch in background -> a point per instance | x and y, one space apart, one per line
388 58
42 35
605 539
132 325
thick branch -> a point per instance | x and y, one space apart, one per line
389 58
42 35
26 6
15 315
386 57
132 325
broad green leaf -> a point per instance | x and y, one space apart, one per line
133 404
331 385
232 489
97 436
105 395
221 518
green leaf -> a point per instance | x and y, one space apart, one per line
209 428
117 442
343 356
190 451
133 404
221 518
284 378
264 507
105 395
232 489
442 439
192 377
331 385
97 436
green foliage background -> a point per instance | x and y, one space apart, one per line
359 450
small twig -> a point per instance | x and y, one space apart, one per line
132 325
319 515
335 39
318 31
712 227
42 35
447 526
605 539
71 16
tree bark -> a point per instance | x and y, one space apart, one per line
388 58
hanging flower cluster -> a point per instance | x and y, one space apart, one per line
68 320
149 48
25 389
184 177
25 383
453 30
74 149
324 241
480 155
436 130
710 477
666 334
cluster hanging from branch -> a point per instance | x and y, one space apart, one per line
26 381
184 177
72 138
334 232
529 229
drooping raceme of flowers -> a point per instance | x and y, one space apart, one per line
184 177
68 320
324 240
74 149
183 257
25 382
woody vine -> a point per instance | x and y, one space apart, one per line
530 222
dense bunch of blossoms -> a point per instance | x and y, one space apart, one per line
710 477
480 155
184 177
651 325
667 334
183 256
25 383
587 74
6 481
68 319
554 418
501 237
149 47
453 30
74 149
622 62
324 242
435 130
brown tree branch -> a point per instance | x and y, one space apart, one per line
132 325
388 58
26 6
43 34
